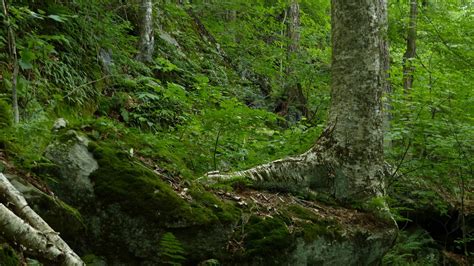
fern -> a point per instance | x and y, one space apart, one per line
172 252
412 248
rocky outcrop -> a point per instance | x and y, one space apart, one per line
133 207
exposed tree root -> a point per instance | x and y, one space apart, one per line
318 169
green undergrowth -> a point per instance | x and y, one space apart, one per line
8 256
413 247
121 179
6 117
24 144
172 252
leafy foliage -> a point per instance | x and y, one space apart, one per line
414 248
6 116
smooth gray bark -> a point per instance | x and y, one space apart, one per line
347 160
147 38
14 228
14 62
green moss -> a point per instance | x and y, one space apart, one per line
313 231
8 256
140 191
226 212
93 260
60 216
73 212
233 184
266 236
313 225
302 213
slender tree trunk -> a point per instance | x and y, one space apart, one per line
347 160
410 52
388 87
14 62
293 95
147 39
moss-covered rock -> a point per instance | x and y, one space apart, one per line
266 236
138 190
134 207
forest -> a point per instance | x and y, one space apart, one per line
236 132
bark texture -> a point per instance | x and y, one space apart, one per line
410 52
26 227
14 62
147 39
347 160
358 81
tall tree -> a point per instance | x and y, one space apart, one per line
14 60
347 160
147 39
293 94
410 52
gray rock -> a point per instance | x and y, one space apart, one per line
75 164
59 124
359 248
168 39
105 57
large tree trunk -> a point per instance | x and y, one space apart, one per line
347 160
147 39
410 52
293 94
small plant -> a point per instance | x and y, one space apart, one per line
412 248
5 115
171 250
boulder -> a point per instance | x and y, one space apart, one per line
75 164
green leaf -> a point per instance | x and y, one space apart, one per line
26 59
57 18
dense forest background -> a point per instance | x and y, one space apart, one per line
231 85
